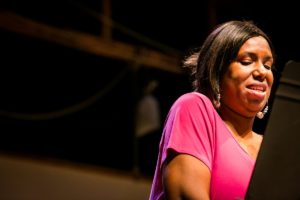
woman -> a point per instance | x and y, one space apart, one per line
208 148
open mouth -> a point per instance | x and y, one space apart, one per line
257 91
257 88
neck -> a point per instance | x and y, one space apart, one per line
239 125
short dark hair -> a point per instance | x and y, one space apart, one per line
220 47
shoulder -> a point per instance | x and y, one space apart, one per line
193 105
191 100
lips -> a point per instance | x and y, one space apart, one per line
257 91
257 87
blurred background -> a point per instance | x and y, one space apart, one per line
86 86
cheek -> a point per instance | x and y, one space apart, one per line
237 73
235 79
230 87
270 79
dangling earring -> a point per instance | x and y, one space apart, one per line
218 101
261 114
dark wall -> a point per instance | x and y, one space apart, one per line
62 103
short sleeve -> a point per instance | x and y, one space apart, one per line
190 128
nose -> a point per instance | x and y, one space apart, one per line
260 73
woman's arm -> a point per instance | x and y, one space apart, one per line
186 177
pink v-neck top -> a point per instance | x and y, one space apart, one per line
194 127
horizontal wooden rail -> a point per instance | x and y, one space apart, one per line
138 55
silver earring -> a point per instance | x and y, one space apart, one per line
261 114
218 102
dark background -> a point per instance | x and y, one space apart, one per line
40 77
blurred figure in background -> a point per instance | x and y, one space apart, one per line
148 129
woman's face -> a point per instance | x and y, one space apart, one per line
246 85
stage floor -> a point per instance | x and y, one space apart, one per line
32 179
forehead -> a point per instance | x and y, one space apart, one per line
256 45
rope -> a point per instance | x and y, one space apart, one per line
71 109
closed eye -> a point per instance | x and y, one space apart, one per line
268 67
246 63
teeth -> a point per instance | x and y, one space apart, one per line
257 88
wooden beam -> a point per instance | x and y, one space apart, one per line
106 27
138 55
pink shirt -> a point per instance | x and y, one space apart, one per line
194 127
